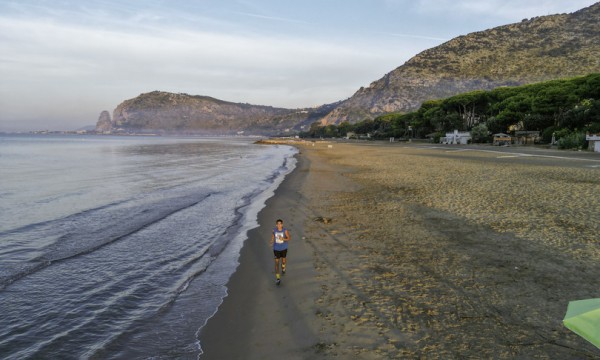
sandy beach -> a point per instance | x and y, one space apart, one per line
420 253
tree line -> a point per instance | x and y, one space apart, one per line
566 109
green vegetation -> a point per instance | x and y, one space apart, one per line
566 109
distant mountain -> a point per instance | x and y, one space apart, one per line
159 111
537 49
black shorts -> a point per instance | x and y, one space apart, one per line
280 253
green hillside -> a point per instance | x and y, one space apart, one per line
559 107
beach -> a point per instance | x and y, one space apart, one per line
417 252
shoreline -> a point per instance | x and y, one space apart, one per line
256 314
429 253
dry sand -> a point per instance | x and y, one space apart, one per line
427 255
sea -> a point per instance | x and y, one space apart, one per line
121 247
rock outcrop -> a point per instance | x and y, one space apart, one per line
160 111
104 123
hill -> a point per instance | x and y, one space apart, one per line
534 50
556 110
166 112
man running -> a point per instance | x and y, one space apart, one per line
279 240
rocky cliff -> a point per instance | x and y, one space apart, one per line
104 123
156 111
537 49
159 111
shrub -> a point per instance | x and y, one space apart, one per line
480 133
575 140
547 134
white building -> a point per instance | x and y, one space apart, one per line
594 142
456 137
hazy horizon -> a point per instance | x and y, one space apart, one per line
63 63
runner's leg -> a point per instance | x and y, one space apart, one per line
276 266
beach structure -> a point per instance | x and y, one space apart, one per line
594 141
456 137
527 137
502 139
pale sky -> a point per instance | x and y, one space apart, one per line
62 62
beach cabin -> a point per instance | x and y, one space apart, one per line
527 137
594 141
456 137
502 139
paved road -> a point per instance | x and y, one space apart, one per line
532 155
524 154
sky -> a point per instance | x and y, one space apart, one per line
63 62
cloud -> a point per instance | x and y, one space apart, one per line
42 47
413 36
508 10
273 18
86 69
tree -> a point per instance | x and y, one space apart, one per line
480 133
496 125
316 130
582 115
344 128
453 121
471 106
330 131
536 122
364 127
554 100
572 105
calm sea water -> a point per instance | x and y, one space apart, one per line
120 247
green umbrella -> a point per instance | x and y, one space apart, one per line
583 318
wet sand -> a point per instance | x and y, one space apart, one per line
428 254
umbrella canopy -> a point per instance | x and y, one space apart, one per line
583 318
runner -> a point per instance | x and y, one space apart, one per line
279 240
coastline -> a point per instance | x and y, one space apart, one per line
430 253
257 319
